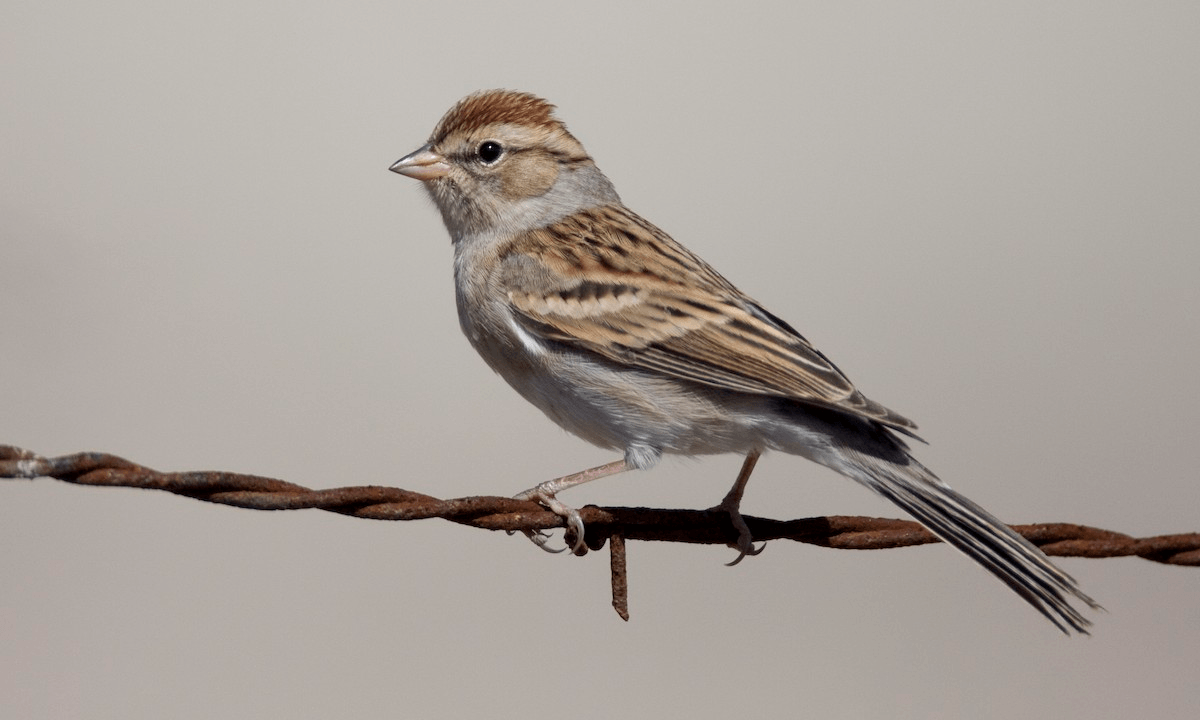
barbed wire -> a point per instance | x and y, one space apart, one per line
613 525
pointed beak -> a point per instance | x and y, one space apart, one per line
422 164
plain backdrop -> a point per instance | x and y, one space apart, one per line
986 213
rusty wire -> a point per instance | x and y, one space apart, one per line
614 525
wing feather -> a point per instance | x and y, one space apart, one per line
596 281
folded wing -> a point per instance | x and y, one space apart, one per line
589 283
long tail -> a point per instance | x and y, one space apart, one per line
974 531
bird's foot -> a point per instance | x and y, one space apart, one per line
745 541
545 495
731 505
569 514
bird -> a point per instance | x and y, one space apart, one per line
627 339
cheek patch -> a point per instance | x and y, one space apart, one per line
529 174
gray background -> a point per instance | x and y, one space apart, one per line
985 214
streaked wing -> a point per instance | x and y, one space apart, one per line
607 281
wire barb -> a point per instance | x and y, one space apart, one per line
614 525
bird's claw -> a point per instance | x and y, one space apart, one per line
745 541
574 522
542 540
746 549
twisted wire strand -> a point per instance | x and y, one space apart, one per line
613 525
500 513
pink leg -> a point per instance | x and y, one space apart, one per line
732 503
545 494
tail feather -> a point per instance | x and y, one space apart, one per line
977 533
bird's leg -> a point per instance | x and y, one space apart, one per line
545 494
732 503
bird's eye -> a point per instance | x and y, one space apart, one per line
489 151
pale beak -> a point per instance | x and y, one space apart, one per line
422 164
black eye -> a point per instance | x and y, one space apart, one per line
489 151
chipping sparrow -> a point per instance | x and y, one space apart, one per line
625 338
